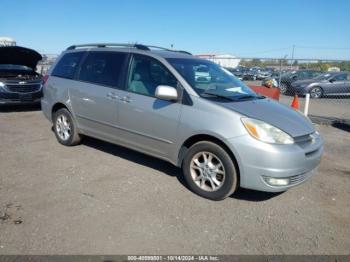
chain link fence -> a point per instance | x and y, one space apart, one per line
326 81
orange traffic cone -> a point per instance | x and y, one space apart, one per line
295 103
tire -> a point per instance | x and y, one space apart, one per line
283 88
215 179
316 92
65 128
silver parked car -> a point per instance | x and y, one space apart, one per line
330 83
221 133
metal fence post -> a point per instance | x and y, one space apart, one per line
307 102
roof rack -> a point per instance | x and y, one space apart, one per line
137 46
167 49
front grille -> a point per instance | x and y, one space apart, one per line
25 88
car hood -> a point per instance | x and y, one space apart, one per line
285 118
17 55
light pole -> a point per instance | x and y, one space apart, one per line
279 80
291 62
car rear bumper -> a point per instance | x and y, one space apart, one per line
260 163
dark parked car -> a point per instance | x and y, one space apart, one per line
19 83
276 75
256 74
331 83
288 78
238 72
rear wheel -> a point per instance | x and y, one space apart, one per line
316 92
209 171
65 129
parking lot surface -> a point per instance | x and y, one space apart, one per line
98 198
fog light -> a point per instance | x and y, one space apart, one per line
273 181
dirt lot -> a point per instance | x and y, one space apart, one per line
98 198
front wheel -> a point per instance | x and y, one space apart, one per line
209 171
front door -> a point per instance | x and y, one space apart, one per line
336 85
146 122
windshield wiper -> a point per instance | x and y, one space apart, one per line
244 97
217 95
233 98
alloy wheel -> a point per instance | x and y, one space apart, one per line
63 127
283 88
316 92
207 171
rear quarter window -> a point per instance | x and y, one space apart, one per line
68 65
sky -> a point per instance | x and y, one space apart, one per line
268 28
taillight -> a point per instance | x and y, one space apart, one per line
45 78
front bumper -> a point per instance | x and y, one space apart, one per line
20 98
258 161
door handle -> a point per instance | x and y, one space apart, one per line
126 99
112 95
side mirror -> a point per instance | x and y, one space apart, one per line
166 93
332 80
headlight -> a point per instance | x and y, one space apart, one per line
266 132
2 85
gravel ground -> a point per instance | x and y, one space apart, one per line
98 198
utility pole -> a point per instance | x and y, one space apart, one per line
291 62
280 76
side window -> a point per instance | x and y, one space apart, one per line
146 74
68 65
302 74
102 68
341 77
315 74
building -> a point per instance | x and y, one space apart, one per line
7 41
45 64
225 60
334 69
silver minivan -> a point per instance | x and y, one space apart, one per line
150 99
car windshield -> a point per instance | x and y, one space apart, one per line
14 67
323 76
211 80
